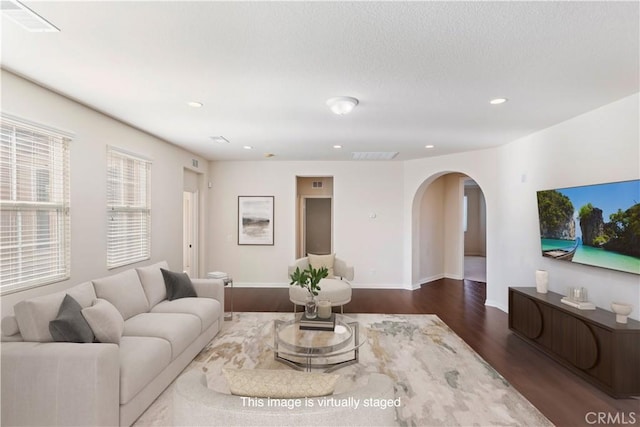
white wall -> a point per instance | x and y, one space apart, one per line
93 132
597 147
600 146
431 233
372 246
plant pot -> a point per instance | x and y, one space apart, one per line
311 308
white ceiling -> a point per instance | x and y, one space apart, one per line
423 71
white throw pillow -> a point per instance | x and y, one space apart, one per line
124 291
279 384
317 261
33 315
105 321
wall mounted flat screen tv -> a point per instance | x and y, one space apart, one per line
595 225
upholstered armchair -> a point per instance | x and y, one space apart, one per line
334 288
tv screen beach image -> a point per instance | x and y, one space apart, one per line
596 225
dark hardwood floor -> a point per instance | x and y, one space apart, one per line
561 396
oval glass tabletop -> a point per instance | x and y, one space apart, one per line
291 337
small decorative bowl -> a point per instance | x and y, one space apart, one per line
621 310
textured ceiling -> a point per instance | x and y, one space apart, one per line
423 71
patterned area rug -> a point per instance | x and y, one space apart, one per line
439 379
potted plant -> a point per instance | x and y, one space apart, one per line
309 279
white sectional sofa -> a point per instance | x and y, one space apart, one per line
94 384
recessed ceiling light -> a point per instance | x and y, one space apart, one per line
247 147
337 146
429 146
195 104
220 139
269 155
498 101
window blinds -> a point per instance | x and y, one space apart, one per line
34 201
128 208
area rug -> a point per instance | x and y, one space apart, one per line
439 379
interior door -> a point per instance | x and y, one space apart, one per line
317 225
190 233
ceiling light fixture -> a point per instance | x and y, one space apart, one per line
247 147
337 147
195 104
498 101
429 146
342 105
220 139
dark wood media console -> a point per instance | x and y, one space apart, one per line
588 342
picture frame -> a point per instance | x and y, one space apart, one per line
255 220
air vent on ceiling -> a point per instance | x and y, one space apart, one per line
373 155
316 184
25 17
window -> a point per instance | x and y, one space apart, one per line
34 196
128 208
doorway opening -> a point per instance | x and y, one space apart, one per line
192 183
314 215
475 232
444 229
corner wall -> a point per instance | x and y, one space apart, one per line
88 151
596 147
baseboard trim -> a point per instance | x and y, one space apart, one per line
353 285
496 304
424 280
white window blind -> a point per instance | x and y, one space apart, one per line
128 208
34 201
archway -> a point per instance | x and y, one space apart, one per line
437 228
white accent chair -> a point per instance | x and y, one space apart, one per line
336 289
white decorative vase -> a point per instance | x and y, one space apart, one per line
542 281
621 310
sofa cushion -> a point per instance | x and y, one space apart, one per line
105 321
178 329
33 315
317 261
207 309
178 285
153 282
69 325
279 383
123 290
141 361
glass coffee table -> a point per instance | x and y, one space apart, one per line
327 350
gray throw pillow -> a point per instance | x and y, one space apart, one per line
178 285
70 325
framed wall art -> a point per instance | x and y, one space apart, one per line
255 220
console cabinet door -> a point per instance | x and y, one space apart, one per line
526 318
